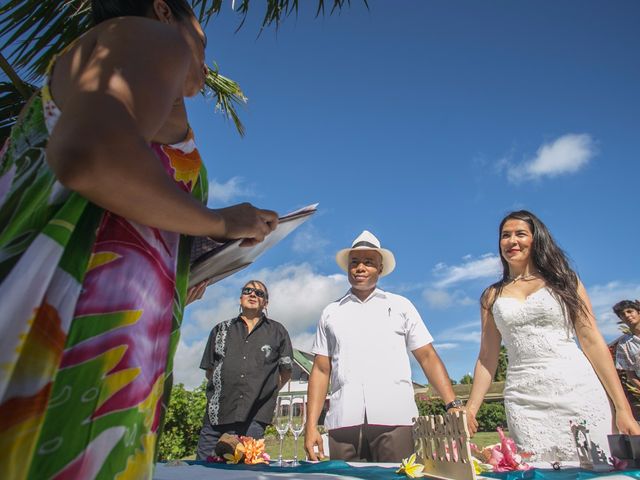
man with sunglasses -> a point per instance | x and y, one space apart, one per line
247 360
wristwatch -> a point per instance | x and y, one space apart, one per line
457 403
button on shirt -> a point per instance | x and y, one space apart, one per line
245 367
370 371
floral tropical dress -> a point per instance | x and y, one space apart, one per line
90 310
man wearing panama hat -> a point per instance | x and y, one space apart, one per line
361 345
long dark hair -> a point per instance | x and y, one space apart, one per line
102 10
549 260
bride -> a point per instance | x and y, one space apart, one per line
537 309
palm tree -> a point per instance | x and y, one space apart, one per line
33 31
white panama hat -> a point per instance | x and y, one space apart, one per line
367 241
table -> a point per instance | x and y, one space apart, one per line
338 469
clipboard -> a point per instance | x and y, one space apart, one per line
213 261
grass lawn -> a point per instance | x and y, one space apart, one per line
481 439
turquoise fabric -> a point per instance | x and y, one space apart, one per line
333 467
338 467
563 474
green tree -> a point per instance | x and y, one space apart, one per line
467 379
490 416
429 405
182 422
34 31
503 363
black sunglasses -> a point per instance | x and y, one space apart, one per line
249 290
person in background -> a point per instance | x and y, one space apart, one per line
361 347
101 185
247 360
537 309
626 351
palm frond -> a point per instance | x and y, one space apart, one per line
228 96
12 102
275 10
34 31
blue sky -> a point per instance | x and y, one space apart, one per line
425 122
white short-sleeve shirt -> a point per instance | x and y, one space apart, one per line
628 354
370 370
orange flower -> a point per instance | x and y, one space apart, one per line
253 450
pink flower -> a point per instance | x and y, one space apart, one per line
503 457
215 459
619 464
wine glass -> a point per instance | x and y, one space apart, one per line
282 422
298 417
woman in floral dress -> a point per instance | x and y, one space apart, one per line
100 186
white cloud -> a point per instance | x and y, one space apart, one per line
486 266
303 341
297 296
437 298
309 240
567 154
468 332
445 346
187 362
231 190
442 299
218 304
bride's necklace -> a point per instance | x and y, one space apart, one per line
523 277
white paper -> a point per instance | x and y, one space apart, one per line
232 258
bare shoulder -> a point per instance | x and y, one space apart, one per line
117 44
489 295
141 33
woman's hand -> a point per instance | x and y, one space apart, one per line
196 292
472 423
627 424
247 222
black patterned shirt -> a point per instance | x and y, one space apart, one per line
245 369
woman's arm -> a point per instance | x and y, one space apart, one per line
595 349
486 364
112 106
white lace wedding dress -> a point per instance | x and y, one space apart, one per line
549 381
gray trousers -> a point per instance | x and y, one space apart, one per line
210 434
371 443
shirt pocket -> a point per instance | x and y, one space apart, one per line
266 354
396 326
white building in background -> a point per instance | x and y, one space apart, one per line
302 364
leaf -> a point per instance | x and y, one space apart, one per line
227 94
34 31
11 103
